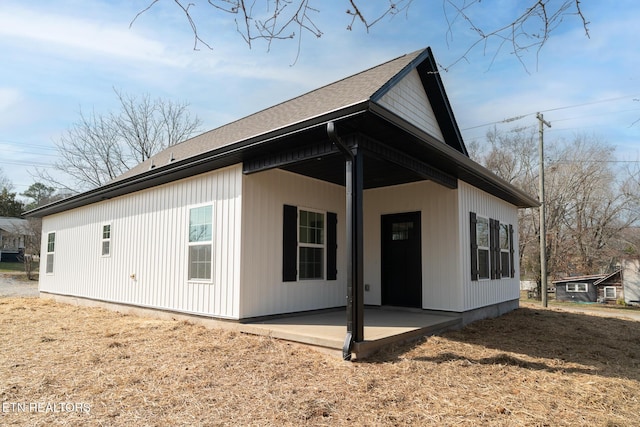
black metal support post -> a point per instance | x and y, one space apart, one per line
358 245
355 266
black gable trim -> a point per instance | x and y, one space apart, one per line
433 86
427 68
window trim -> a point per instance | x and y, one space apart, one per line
505 272
575 287
106 240
200 243
615 292
51 253
486 249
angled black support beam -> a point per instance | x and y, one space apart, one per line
393 155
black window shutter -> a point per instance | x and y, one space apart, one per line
492 248
290 244
474 245
497 259
511 251
332 245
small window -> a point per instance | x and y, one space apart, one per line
106 240
577 287
200 243
482 239
311 245
51 246
610 292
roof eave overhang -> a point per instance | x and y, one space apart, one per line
468 170
205 162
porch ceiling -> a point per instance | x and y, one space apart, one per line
390 156
377 173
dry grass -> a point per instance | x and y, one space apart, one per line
529 368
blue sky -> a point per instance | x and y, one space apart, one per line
60 57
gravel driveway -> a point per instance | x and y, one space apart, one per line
11 287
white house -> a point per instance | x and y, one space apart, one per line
359 192
630 280
13 235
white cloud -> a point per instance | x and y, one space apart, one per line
13 108
9 97
73 36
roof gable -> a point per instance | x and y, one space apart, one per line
378 83
606 278
409 100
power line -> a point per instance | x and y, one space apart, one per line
566 107
28 144
25 163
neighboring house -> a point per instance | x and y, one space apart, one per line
13 235
360 192
622 284
605 288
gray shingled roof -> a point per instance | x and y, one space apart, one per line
335 96
13 225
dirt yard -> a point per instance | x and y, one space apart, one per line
68 365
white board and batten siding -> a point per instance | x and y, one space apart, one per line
482 293
263 289
147 265
439 236
631 280
409 100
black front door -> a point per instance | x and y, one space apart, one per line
401 260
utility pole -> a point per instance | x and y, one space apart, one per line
543 231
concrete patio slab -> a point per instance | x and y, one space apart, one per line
327 330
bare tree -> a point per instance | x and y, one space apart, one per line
527 29
601 206
100 147
33 237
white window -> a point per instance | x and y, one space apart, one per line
311 248
505 247
482 239
200 243
577 287
51 246
106 240
610 292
